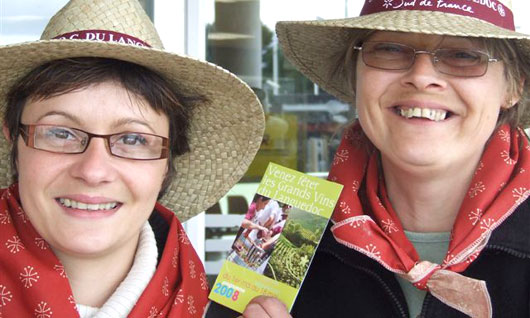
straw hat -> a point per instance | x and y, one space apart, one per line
225 133
311 45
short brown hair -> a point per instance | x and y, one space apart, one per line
516 71
64 76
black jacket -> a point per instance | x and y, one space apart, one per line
344 283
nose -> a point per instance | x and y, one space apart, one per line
94 166
423 73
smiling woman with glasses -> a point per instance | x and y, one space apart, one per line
433 219
113 143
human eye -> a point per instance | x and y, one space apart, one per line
136 145
387 47
460 57
59 133
132 139
387 50
59 138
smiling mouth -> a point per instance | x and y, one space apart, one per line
427 113
86 206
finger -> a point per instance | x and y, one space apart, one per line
254 310
265 307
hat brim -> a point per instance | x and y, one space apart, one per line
225 132
312 46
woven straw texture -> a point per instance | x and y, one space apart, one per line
312 46
226 132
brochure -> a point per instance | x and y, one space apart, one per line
277 239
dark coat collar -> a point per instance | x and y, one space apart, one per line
513 234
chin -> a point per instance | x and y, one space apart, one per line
421 159
87 245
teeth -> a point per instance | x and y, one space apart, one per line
85 206
432 114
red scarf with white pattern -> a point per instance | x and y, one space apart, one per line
500 184
33 283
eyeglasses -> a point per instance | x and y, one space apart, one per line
452 61
129 145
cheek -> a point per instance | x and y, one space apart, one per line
34 169
36 176
492 91
484 103
367 101
360 95
147 178
371 87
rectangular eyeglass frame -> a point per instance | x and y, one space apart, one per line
434 58
29 130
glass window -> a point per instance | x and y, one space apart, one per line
148 7
22 21
301 119
25 20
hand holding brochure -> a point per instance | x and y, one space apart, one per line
277 239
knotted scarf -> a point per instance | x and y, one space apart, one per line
500 184
33 283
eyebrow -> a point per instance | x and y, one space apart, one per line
117 123
60 113
461 43
127 121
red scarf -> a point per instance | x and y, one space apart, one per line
500 184
33 282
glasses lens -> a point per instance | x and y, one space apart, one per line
387 56
59 139
461 62
137 145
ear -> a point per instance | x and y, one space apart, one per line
5 130
510 103
514 99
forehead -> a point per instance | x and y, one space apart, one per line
425 40
98 106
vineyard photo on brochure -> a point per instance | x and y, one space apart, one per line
258 236
283 250
296 246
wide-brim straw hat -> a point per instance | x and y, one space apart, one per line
312 46
225 132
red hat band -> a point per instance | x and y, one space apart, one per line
492 11
102 36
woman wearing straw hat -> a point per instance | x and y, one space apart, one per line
433 219
100 123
